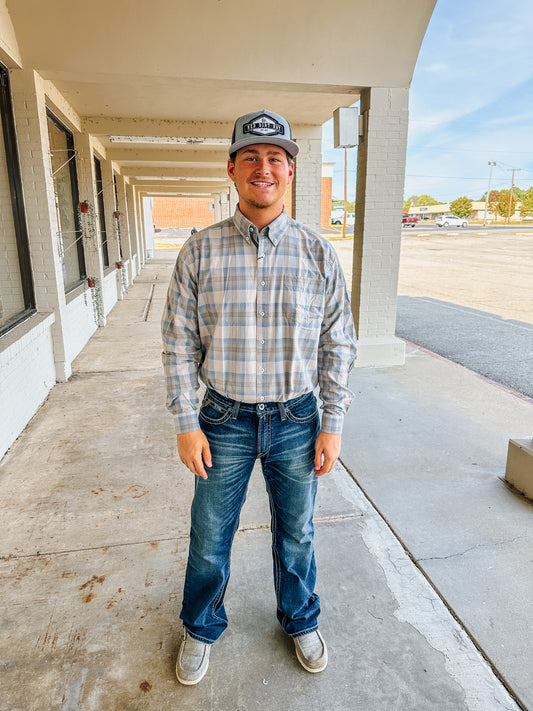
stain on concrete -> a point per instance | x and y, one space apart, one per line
89 587
135 491
145 686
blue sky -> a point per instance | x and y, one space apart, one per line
471 101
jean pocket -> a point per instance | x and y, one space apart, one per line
214 413
303 410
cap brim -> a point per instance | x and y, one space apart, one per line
291 147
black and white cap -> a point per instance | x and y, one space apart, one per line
262 127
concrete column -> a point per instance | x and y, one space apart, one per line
306 188
134 231
224 206
124 229
43 229
217 206
140 227
148 224
233 199
378 211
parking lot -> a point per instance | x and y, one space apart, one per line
486 269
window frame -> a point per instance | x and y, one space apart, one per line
75 199
100 202
17 203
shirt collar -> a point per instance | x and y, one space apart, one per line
275 230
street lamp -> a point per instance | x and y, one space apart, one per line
492 164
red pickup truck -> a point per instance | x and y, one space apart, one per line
409 220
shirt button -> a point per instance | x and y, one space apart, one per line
262 283
262 341
262 313
261 370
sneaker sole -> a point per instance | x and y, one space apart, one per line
186 682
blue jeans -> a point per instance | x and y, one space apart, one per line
283 436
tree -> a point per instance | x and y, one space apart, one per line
503 205
462 207
494 201
526 209
418 200
518 193
426 200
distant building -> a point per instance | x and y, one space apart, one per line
432 212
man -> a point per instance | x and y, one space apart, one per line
257 308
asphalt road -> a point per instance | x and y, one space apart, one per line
500 349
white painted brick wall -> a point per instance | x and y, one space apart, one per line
379 201
307 183
109 290
79 323
27 374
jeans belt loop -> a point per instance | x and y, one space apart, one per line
235 410
282 411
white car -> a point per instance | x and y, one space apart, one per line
451 221
337 218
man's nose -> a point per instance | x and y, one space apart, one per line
263 166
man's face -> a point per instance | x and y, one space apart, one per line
261 174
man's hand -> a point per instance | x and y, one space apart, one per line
327 450
194 452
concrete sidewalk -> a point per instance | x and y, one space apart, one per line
424 555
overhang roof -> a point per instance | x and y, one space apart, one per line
187 69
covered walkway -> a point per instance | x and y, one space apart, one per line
424 555
106 107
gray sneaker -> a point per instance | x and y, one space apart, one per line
312 652
193 660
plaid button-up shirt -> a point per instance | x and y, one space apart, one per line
259 317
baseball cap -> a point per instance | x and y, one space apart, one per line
262 127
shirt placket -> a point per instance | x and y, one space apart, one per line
262 320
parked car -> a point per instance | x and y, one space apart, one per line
409 220
451 221
337 218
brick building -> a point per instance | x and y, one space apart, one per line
187 212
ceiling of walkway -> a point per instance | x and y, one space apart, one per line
184 70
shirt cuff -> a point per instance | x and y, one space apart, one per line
186 423
332 423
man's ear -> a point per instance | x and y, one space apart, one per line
231 170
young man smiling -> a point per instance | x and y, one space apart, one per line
257 309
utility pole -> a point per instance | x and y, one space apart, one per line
492 164
345 190
511 195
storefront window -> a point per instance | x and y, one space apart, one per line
16 283
66 196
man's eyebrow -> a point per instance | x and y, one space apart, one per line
271 151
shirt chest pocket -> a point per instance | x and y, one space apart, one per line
303 301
